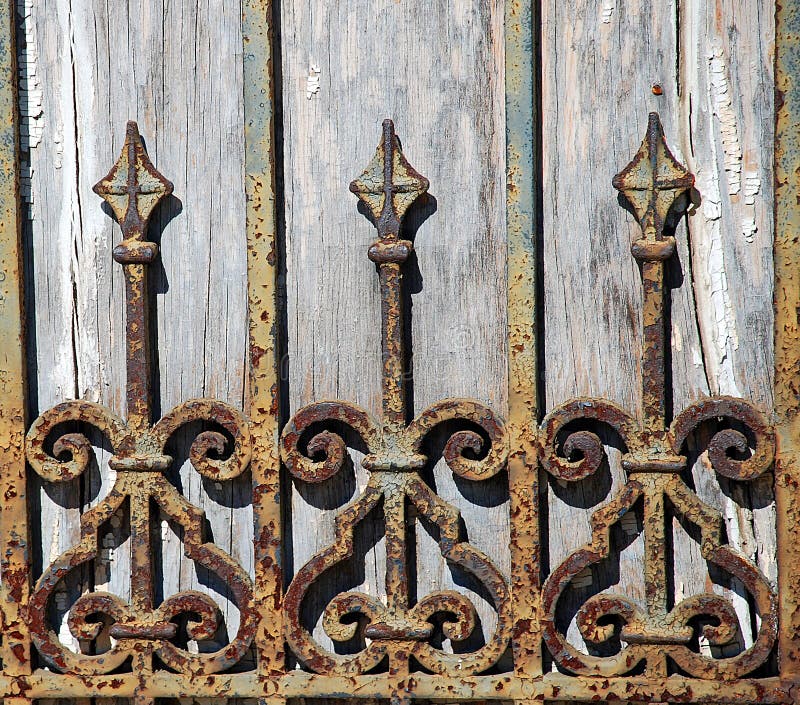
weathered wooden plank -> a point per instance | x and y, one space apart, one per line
346 66
600 69
727 105
177 69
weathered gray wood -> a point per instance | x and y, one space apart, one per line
88 66
175 68
727 106
436 68
599 68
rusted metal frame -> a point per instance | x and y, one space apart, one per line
262 278
298 684
141 629
14 527
787 329
657 635
521 37
313 451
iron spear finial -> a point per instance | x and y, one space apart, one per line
133 188
652 182
389 184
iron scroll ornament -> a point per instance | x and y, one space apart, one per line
313 452
742 449
141 629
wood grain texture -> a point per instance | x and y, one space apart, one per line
599 68
176 68
435 68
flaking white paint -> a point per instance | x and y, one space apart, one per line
723 109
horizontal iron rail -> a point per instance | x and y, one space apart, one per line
420 686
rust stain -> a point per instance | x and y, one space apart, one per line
787 330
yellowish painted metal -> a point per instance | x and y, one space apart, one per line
521 119
787 329
422 686
15 560
262 263
271 683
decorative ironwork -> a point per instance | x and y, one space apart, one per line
741 449
140 629
313 451
659 660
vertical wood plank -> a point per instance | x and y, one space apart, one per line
727 115
596 68
345 68
176 68
603 69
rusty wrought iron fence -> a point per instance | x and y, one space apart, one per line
400 656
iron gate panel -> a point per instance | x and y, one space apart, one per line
402 660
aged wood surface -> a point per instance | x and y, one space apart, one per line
343 72
712 63
86 66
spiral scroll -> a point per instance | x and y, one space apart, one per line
654 471
313 451
140 461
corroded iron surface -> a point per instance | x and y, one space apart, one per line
659 635
787 329
140 629
15 568
522 119
401 658
398 629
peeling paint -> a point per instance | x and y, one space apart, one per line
608 10
718 324
312 81
752 186
31 95
723 109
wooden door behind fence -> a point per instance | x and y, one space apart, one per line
438 70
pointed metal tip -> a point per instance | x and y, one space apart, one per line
654 180
133 185
389 135
389 184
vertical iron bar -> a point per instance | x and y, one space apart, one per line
522 117
393 404
393 397
15 559
133 188
787 330
262 274
137 348
653 332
